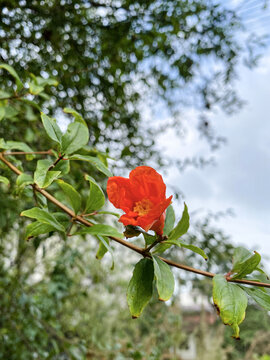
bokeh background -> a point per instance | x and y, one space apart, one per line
182 86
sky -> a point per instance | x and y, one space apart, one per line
240 180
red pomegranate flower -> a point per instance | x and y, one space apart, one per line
142 197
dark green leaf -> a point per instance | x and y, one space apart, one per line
182 226
96 198
51 128
13 73
261 297
94 161
103 248
44 217
100 229
244 262
140 287
193 248
169 221
42 177
164 279
37 228
73 197
230 301
76 136
4 180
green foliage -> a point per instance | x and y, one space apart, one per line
261 296
51 127
74 198
230 301
164 279
244 262
182 226
43 176
44 217
96 198
140 287
100 229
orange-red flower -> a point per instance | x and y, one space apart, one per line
142 197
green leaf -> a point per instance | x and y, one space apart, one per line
76 115
73 197
2 112
51 128
193 248
244 262
103 248
37 228
14 74
169 221
35 89
42 177
230 301
96 198
100 229
140 287
21 146
76 136
44 217
182 226
4 180
261 297
164 279
94 161
149 239
24 180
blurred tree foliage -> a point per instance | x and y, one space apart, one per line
110 58
114 56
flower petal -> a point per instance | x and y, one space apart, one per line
146 183
119 193
148 220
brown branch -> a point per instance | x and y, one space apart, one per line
123 242
48 152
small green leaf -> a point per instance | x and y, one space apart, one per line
44 217
73 197
230 301
76 115
193 248
182 226
164 279
37 228
76 136
24 180
149 239
244 262
2 112
21 146
100 229
140 287
4 180
96 198
42 177
35 89
169 221
94 161
13 73
103 248
51 128
261 297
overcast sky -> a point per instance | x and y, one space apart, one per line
241 178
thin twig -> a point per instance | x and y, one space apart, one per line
60 157
123 242
48 152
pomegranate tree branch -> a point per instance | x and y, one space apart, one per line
123 242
